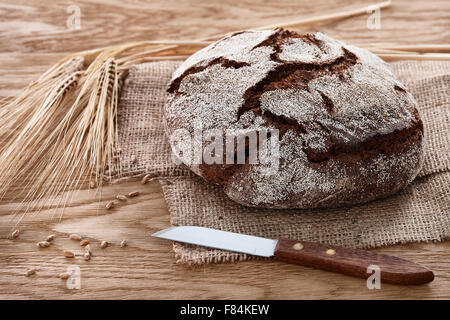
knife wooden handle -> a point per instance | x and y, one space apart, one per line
353 262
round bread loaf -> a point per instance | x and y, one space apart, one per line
348 131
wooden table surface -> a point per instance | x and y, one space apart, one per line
34 34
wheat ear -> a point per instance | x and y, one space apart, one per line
60 129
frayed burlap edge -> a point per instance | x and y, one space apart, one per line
416 214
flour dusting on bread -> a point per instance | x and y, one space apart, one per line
349 130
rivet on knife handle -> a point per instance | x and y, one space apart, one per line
353 262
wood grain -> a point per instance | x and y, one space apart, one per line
34 35
352 262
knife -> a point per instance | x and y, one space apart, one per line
353 262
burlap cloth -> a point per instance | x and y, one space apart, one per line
421 212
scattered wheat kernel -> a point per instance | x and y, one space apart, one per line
104 244
69 254
87 248
87 256
75 237
64 275
15 233
92 184
145 179
43 244
133 194
110 205
30 272
50 238
121 197
123 243
133 159
84 242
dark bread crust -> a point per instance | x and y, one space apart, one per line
357 164
224 62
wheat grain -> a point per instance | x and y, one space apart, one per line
87 249
50 238
75 237
43 244
104 244
84 242
123 243
145 179
133 194
64 275
30 272
87 256
15 234
110 205
121 197
69 254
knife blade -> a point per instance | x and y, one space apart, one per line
349 261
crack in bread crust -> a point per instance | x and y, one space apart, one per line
224 62
298 75
291 75
387 144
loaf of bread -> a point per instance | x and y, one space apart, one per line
348 131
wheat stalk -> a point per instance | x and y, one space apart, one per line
313 20
422 48
413 56
63 135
